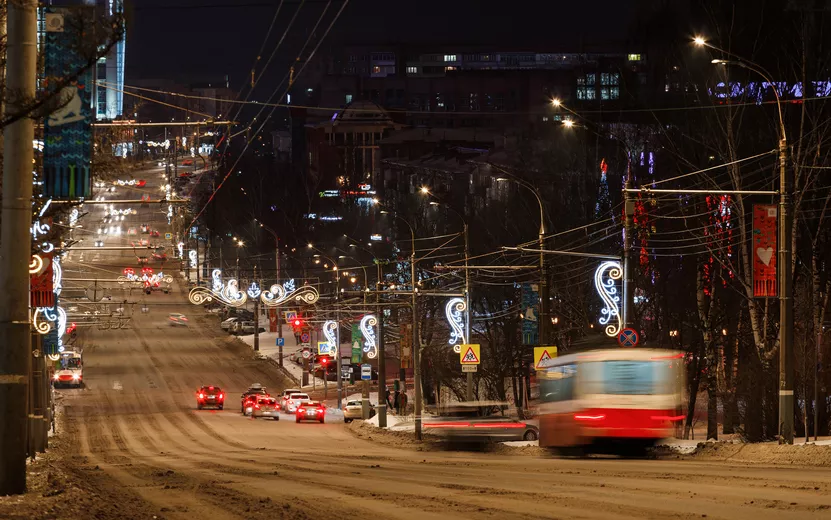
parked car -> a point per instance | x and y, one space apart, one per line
247 327
229 324
266 406
479 422
355 410
311 411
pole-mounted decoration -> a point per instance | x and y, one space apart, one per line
192 257
607 289
329 328
229 294
277 294
453 310
367 322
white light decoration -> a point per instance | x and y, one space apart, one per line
39 229
453 310
57 275
42 326
606 288
181 246
53 357
146 280
36 265
73 217
47 247
192 257
254 291
229 294
367 322
169 213
277 294
330 328
44 208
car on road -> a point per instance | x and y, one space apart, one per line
476 422
284 397
70 371
141 183
355 410
187 162
266 406
155 233
247 327
295 401
177 319
311 411
297 356
210 396
249 397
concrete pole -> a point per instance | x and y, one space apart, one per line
469 396
786 352
278 316
15 247
416 347
628 239
382 369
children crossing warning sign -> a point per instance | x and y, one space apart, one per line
543 356
469 355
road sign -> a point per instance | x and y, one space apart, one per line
469 368
281 342
323 348
290 316
628 338
366 372
543 356
168 236
305 338
307 354
469 355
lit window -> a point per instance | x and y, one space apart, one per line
348 98
610 78
545 118
412 70
449 68
634 57
376 69
449 57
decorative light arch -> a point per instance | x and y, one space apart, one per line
605 277
454 310
370 347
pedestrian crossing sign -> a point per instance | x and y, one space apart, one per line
544 356
469 355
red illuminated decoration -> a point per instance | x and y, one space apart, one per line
42 291
764 251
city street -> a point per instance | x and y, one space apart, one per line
140 442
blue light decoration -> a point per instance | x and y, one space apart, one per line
605 277
254 291
67 131
530 300
289 286
370 347
330 330
229 294
453 311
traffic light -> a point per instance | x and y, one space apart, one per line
297 322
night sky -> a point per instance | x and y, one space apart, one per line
206 39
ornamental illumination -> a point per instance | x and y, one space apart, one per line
605 277
370 347
453 310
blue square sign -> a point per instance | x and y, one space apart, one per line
281 342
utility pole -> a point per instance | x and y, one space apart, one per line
628 281
469 396
256 318
382 358
338 361
416 347
277 311
15 247
786 352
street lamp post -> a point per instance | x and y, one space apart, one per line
416 339
469 382
543 318
338 360
278 318
786 334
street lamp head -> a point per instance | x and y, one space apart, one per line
434 203
375 201
341 256
352 245
334 268
719 62
501 179
384 212
698 40
425 190
353 279
310 245
241 243
555 102
568 123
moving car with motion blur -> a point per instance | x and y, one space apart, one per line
177 319
250 396
295 401
355 410
479 422
311 411
210 396
265 406
619 401
69 371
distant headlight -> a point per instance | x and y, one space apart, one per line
76 376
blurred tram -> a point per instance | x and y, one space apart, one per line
610 401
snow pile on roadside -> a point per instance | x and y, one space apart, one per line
680 446
521 444
392 420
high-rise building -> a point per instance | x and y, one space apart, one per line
108 96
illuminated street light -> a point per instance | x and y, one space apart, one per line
568 123
555 102
425 189
698 40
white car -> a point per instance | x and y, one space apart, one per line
229 324
295 400
284 397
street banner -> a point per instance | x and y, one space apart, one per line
67 131
42 292
764 251
530 300
357 341
272 320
